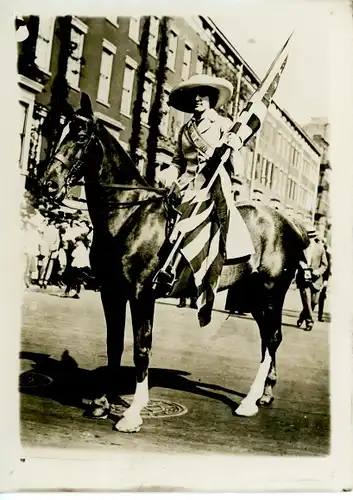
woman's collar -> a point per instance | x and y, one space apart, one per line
210 114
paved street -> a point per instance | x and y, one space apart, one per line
206 371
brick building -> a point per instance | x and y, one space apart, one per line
113 59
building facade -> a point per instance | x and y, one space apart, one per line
319 130
128 67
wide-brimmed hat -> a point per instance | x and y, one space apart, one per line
182 97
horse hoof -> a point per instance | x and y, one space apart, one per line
127 424
266 400
299 323
246 410
309 327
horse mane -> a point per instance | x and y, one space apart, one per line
117 154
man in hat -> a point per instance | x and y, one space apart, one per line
323 293
201 96
310 278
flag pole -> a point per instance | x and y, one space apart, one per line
221 154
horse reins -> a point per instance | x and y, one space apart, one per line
77 163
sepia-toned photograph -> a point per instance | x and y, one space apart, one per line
176 234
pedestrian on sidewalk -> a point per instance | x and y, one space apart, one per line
49 247
310 278
31 242
323 292
80 266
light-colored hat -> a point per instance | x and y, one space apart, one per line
182 96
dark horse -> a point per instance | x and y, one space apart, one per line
129 219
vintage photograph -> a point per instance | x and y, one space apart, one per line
176 233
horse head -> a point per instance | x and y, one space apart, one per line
67 164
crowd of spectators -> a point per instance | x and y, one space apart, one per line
55 249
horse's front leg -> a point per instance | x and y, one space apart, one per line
114 305
142 311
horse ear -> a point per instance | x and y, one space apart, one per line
86 106
69 111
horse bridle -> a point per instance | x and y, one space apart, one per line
74 166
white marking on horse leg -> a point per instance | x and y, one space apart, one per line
132 420
141 398
248 406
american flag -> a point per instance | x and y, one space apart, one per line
253 114
205 215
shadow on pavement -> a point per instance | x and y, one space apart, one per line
71 385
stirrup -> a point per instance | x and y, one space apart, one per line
164 277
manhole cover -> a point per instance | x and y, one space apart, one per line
156 408
32 380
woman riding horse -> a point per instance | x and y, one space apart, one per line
202 95
130 218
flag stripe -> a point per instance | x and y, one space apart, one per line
193 248
206 264
203 245
192 222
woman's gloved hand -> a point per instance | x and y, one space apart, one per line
168 176
232 140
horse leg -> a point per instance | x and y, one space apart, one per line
114 305
142 312
269 322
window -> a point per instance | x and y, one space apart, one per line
258 167
113 20
24 115
269 173
185 69
105 72
274 181
78 31
128 86
164 126
147 99
199 66
141 164
134 29
289 191
153 36
44 42
263 170
172 50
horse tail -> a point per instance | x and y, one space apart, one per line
299 229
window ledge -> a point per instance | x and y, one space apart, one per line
134 40
31 84
110 121
114 23
74 87
127 115
104 103
45 71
